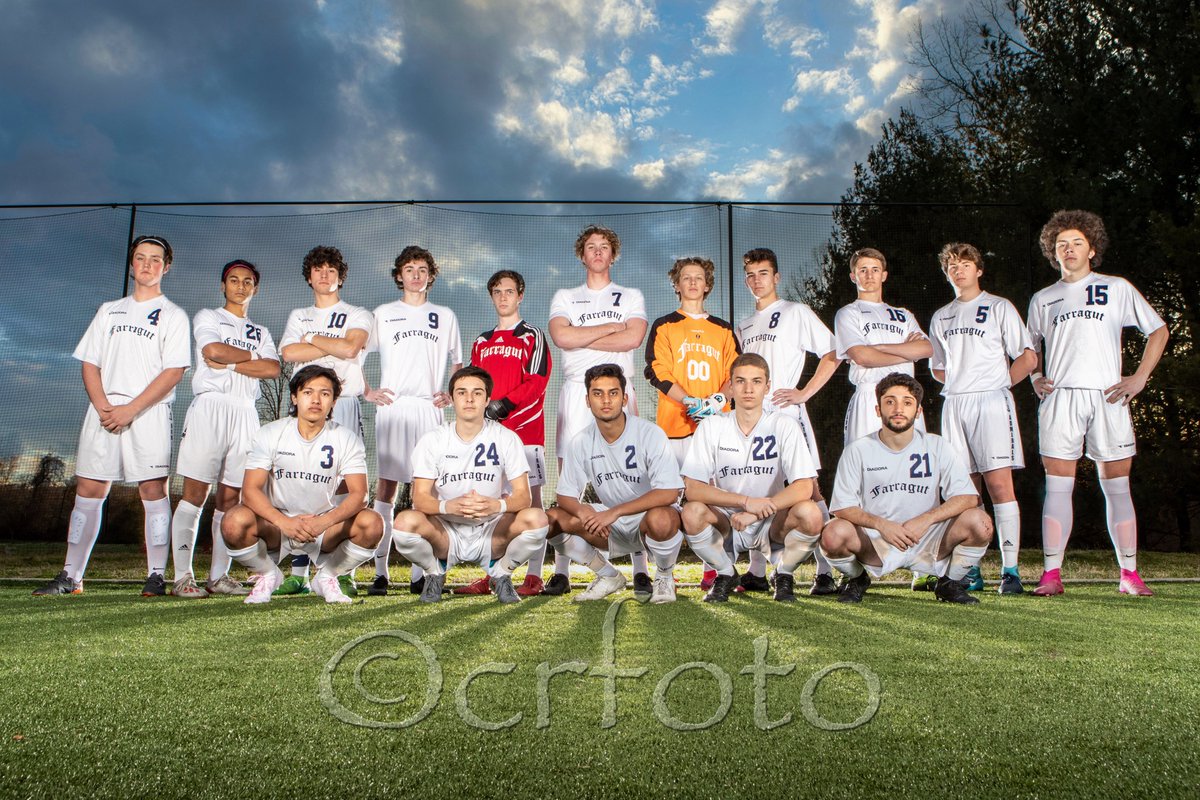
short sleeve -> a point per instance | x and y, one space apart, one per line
424 457
91 346
456 345
635 304
361 319
1036 335
662 466
260 455
573 478
796 460
911 322
847 332
700 463
954 480
515 463
293 332
355 461
937 340
1016 335
1140 313
206 327
815 337
266 348
560 305
847 486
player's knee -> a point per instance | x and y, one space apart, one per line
152 490
979 527
531 518
556 518
662 523
836 536
367 530
237 527
694 517
805 517
408 520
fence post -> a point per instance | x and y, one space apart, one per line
128 244
729 253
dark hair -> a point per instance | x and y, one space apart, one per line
710 272
414 253
750 360
325 255
900 379
506 273
472 371
1087 223
305 376
603 371
867 252
168 254
614 241
761 254
240 262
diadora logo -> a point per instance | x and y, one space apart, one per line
286 453
598 455
452 456
875 469
728 449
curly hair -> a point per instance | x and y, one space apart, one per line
500 275
614 241
1087 223
908 382
761 254
414 253
867 252
710 272
322 255
960 251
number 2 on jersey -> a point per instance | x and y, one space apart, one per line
917 460
757 451
483 456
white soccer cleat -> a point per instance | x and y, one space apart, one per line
601 588
267 583
325 585
664 588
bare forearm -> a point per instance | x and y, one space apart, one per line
159 388
865 355
261 368
622 341
1020 368
909 351
225 353
795 492
93 384
1156 345
952 508
824 371
860 517
711 495
352 503
652 499
573 337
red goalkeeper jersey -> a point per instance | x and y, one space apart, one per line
519 362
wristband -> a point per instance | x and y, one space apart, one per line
308 338
1034 377
442 507
503 506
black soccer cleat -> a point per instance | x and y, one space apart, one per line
753 583
823 584
62 584
853 589
155 585
417 586
951 591
558 584
785 588
1010 584
719 593
643 587
378 587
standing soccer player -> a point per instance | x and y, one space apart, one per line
1077 324
782 332
636 477
748 475
133 354
289 494
517 357
596 323
416 339
886 505
232 355
980 349
330 333
459 473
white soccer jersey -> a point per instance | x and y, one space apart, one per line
483 464
334 321
132 343
1080 324
415 345
903 485
973 342
213 325
754 464
782 333
304 475
864 322
638 462
582 306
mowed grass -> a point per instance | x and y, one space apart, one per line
109 694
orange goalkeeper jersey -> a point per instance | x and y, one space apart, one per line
694 354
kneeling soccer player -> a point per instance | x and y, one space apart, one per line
887 515
628 461
458 515
748 475
288 494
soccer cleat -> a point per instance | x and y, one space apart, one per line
706 581
62 584
558 584
749 582
643 589
349 587
719 593
418 586
974 579
923 583
431 587
823 584
481 586
852 590
664 587
530 587
1010 583
601 587
186 587
505 592
265 586
785 588
949 590
227 586
329 587
378 587
155 585
1050 584
292 584
1131 583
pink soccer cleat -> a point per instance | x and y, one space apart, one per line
1131 583
1050 584
708 579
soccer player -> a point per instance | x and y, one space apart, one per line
289 494
886 504
1076 327
980 349
596 323
232 355
333 334
458 514
748 475
133 354
782 331
636 478
517 357
416 339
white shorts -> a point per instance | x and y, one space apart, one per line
861 419
470 542
348 413
574 414
755 536
679 448
800 414
1069 418
216 439
138 453
624 535
921 558
290 547
535 454
398 428
983 427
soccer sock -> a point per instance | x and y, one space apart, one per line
823 567
758 563
82 533
521 548
384 551
418 552
639 562
1008 530
1057 519
185 526
709 545
536 562
417 571
254 558
848 566
562 563
300 565
575 548
345 558
665 553
1122 520
962 558
220 551
158 534
796 547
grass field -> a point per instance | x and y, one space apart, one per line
108 694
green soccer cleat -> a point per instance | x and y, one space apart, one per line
974 579
293 584
349 587
923 583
